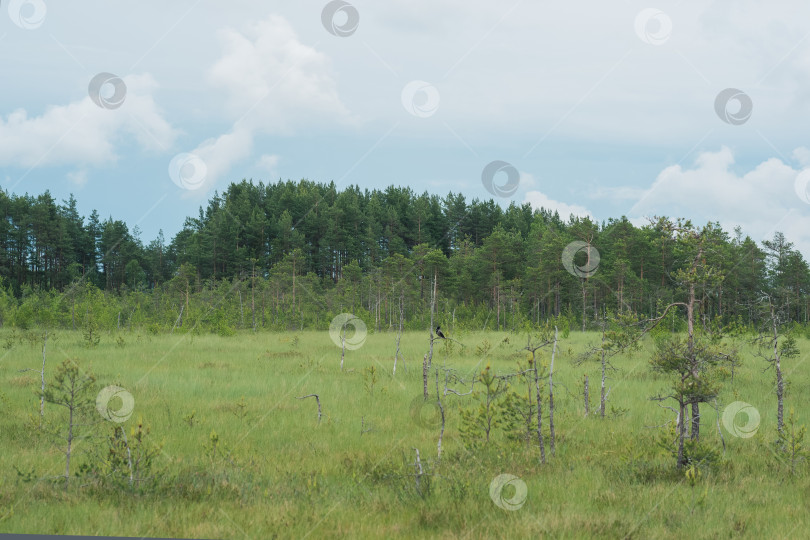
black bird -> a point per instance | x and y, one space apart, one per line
439 332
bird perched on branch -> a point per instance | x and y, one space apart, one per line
439 332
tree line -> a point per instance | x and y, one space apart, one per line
291 255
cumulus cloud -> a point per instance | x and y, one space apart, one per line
268 162
762 200
82 133
274 84
539 200
527 180
78 178
221 153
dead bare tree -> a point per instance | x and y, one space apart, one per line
441 410
343 339
317 400
432 312
619 334
179 320
551 394
419 472
774 344
425 375
42 380
585 395
399 331
533 348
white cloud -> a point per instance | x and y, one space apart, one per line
268 162
221 153
83 133
78 177
761 201
527 180
275 84
802 155
540 200
275 80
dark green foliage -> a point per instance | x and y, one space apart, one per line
790 444
479 423
73 390
285 255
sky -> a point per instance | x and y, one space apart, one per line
143 110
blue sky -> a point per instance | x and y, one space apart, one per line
605 109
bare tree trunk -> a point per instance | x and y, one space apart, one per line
399 333
780 383
425 375
690 314
343 345
432 310
317 400
69 445
583 302
539 410
551 394
681 430
42 383
179 319
602 397
441 410
241 311
129 456
585 394
253 294
419 472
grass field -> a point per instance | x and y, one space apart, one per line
279 473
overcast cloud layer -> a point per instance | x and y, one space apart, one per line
605 109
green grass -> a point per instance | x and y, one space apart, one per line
285 475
